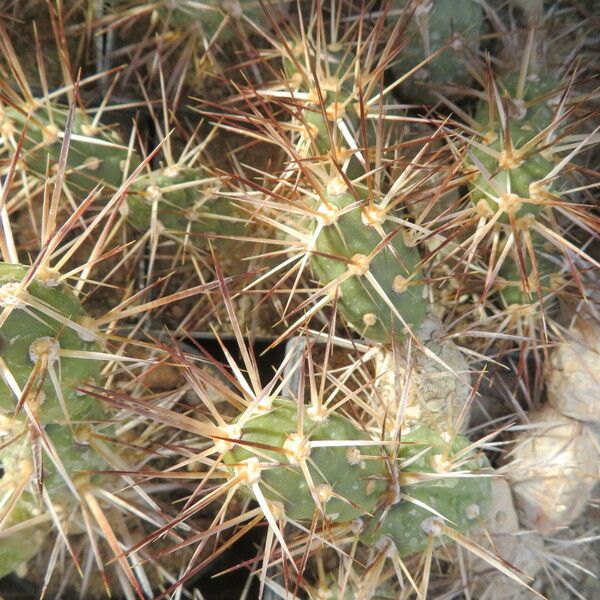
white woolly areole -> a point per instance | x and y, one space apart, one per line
248 471
432 525
9 295
46 347
232 431
297 448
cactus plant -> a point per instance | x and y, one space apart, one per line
96 154
47 347
139 462
374 272
185 203
433 25
514 174
349 478
415 520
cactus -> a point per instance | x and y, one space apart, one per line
45 340
362 483
537 283
515 157
73 449
14 552
350 479
460 500
186 203
96 154
434 24
20 465
356 252
349 485
378 289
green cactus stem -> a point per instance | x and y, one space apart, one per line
435 23
186 203
349 479
22 544
46 320
352 480
96 154
512 288
381 292
516 169
460 500
77 458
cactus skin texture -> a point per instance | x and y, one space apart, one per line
16 461
433 24
14 549
514 176
27 326
185 204
100 158
459 499
342 246
362 482
511 286
360 475
76 456
210 14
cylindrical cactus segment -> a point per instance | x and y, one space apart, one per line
39 340
514 289
78 459
28 518
429 482
351 481
435 23
96 153
185 201
211 15
380 291
333 105
517 169
18 542
348 479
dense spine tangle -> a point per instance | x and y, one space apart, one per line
96 154
46 347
